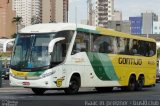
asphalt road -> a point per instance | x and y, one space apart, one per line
86 97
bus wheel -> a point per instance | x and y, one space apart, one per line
140 83
73 85
38 91
132 83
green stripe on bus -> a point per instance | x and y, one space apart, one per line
102 66
88 30
35 74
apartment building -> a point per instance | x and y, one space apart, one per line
54 11
156 27
147 22
104 12
117 15
29 10
7 27
65 10
121 26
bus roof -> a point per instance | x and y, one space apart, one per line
55 27
48 27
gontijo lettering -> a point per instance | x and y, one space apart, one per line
130 61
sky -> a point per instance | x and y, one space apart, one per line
128 8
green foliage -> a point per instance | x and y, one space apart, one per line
14 35
17 19
35 20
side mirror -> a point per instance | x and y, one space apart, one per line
53 42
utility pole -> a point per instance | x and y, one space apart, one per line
90 11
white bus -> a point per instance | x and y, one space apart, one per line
69 56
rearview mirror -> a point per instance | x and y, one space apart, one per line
53 42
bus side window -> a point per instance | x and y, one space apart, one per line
103 44
121 45
78 46
59 53
142 48
105 47
127 47
81 43
152 50
134 49
56 55
147 49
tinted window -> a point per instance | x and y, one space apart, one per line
82 43
103 44
113 45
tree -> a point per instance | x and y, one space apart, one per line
35 20
18 20
14 35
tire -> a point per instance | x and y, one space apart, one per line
38 91
104 89
140 83
73 85
132 83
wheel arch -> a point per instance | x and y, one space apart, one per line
77 74
141 75
132 74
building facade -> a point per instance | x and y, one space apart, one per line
147 22
54 11
104 12
36 11
121 26
65 10
117 15
7 27
29 10
136 25
156 27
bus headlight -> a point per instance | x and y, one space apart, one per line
47 74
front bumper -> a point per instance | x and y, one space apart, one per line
47 83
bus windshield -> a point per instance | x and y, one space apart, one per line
31 51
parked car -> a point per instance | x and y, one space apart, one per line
5 73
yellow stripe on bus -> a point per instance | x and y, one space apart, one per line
17 73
